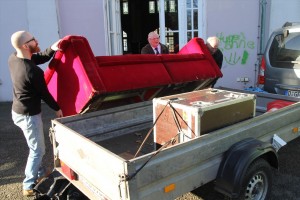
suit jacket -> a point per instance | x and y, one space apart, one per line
148 49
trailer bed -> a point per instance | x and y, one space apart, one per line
126 146
105 165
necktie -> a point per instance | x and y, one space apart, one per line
156 51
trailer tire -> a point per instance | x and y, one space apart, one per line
257 181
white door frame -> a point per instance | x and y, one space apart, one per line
113 36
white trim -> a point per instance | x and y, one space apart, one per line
182 23
117 29
162 23
202 19
113 38
58 19
106 27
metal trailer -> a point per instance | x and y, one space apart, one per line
90 150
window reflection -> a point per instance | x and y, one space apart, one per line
189 35
171 39
188 3
189 20
195 19
192 18
195 3
151 7
125 8
125 42
172 6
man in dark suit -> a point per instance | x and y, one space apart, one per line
154 46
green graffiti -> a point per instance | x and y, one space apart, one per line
245 57
232 59
251 45
231 47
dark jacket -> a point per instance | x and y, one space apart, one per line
218 57
148 49
29 86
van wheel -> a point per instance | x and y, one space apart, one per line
257 181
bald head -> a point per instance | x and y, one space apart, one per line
213 41
212 44
19 38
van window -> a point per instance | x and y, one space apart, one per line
285 51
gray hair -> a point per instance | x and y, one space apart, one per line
153 34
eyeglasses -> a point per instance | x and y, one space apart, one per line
32 39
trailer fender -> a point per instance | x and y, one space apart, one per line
236 162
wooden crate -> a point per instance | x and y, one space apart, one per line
185 116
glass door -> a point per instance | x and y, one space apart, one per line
181 21
176 21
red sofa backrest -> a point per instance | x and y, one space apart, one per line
131 72
188 67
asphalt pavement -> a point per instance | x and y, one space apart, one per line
14 152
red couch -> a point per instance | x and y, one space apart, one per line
80 81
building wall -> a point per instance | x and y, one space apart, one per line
35 16
48 20
281 12
77 17
235 23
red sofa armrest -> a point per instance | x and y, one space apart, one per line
72 76
197 45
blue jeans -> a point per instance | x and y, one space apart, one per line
32 127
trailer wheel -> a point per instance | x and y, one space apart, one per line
257 181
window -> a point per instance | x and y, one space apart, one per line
170 39
285 51
151 6
125 42
192 19
172 6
